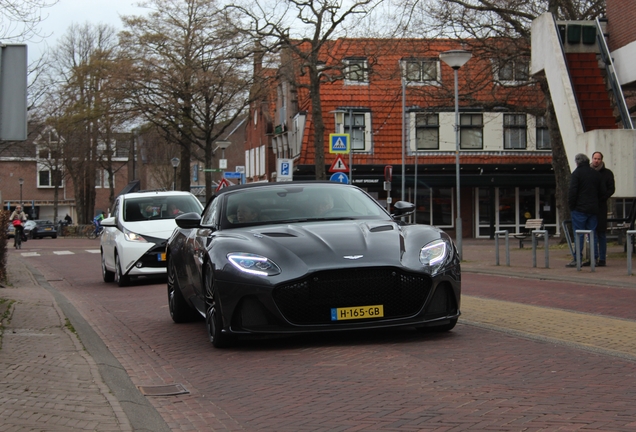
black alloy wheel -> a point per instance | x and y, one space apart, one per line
213 316
180 312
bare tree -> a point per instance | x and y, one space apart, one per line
501 31
19 18
301 29
188 75
85 107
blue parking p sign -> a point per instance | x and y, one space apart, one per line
284 168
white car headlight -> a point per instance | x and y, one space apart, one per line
434 255
253 264
134 237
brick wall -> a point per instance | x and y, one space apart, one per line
621 15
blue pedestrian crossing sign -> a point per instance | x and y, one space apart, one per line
339 143
339 178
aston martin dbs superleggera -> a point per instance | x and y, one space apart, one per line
294 257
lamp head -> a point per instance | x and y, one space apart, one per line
455 58
223 144
175 162
21 181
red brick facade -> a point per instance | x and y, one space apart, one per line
621 16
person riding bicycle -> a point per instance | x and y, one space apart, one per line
18 217
97 221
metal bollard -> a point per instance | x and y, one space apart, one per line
628 238
577 251
505 233
535 234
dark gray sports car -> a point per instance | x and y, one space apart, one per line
294 257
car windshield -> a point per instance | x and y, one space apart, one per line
299 203
156 207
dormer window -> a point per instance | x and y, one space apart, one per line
356 71
513 71
421 70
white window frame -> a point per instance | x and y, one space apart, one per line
519 70
367 144
45 169
414 71
361 71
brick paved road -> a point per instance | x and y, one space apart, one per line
527 355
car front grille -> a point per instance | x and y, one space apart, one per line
310 300
151 257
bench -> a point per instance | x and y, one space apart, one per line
531 225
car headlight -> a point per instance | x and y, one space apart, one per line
434 255
253 264
134 237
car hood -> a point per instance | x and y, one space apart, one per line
161 229
344 243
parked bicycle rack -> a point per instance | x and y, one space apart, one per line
628 238
507 237
535 239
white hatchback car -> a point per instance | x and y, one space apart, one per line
133 242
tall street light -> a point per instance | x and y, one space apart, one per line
223 162
456 59
21 181
175 163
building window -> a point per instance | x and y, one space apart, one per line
543 134
427 131
514 131
47 178
421 71
102 179
356 71
512 71
471 132
358 125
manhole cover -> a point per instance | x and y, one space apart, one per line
163 390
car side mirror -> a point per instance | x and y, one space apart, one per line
403 208
108 222
188 220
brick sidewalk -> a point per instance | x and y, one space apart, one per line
49 380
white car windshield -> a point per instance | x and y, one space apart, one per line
159 207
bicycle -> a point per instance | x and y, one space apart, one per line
18 233
96 232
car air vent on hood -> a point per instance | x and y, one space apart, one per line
277 234
381 228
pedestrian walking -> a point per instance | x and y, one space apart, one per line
584 197
607 177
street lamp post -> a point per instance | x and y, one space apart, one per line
21 181
456 59
175 163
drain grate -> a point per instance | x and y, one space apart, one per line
163 390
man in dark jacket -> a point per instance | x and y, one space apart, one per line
584 197
607 177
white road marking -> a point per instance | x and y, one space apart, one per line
63 253
29 254
95 251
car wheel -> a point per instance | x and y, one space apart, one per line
179 309
213 316
121 279
107 275
440 328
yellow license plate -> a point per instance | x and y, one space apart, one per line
162 256
358 312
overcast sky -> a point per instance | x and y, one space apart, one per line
67 12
